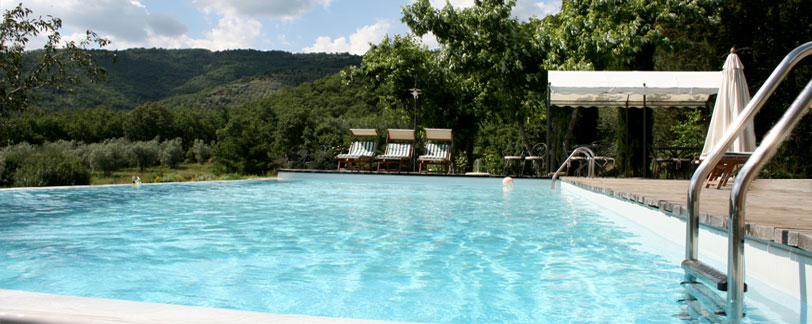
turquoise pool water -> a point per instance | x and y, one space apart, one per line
386 251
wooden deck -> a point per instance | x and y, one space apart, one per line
776 210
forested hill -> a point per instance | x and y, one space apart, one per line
143 75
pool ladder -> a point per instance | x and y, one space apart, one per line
698 275
590 157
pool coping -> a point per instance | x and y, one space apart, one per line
786 237
22 307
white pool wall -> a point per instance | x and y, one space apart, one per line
775 274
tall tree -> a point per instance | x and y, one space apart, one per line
148 121
57 65
491 50
398 64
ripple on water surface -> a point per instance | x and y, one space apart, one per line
403 252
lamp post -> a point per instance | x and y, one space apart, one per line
415 93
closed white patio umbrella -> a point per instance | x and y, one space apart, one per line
732 98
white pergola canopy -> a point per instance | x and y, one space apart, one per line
628 88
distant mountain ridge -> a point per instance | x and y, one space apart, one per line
189 77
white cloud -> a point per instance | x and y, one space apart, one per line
529 8
262 8
455 3
128 23
232 31
167 25
358 42
430 40
524 9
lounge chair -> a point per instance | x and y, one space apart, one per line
399 149
437 153
360 151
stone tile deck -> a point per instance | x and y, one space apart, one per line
777 210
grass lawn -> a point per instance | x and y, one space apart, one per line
183 172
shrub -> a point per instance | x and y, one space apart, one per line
50 168
11 158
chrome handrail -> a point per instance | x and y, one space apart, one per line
590 156
734 299
749 171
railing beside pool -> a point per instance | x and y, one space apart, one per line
695 270
590 156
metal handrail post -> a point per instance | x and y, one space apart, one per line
749 171
589 155
716 154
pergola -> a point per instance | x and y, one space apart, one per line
629 89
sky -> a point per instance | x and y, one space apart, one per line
300 26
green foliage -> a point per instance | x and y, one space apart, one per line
200 151
171 152
615 34
297 127
56 65
148 121
234 93
143 154
12 157
691 131
493 54
23 165
85 125
397 64
260 111
195 78
101 157
242 144
626 35
771 31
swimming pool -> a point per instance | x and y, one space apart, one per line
399 251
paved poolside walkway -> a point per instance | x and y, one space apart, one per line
778 210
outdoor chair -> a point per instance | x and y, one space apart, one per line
674 160
437 153
360 151
397 153
513 153
727 168
604 156
537 154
